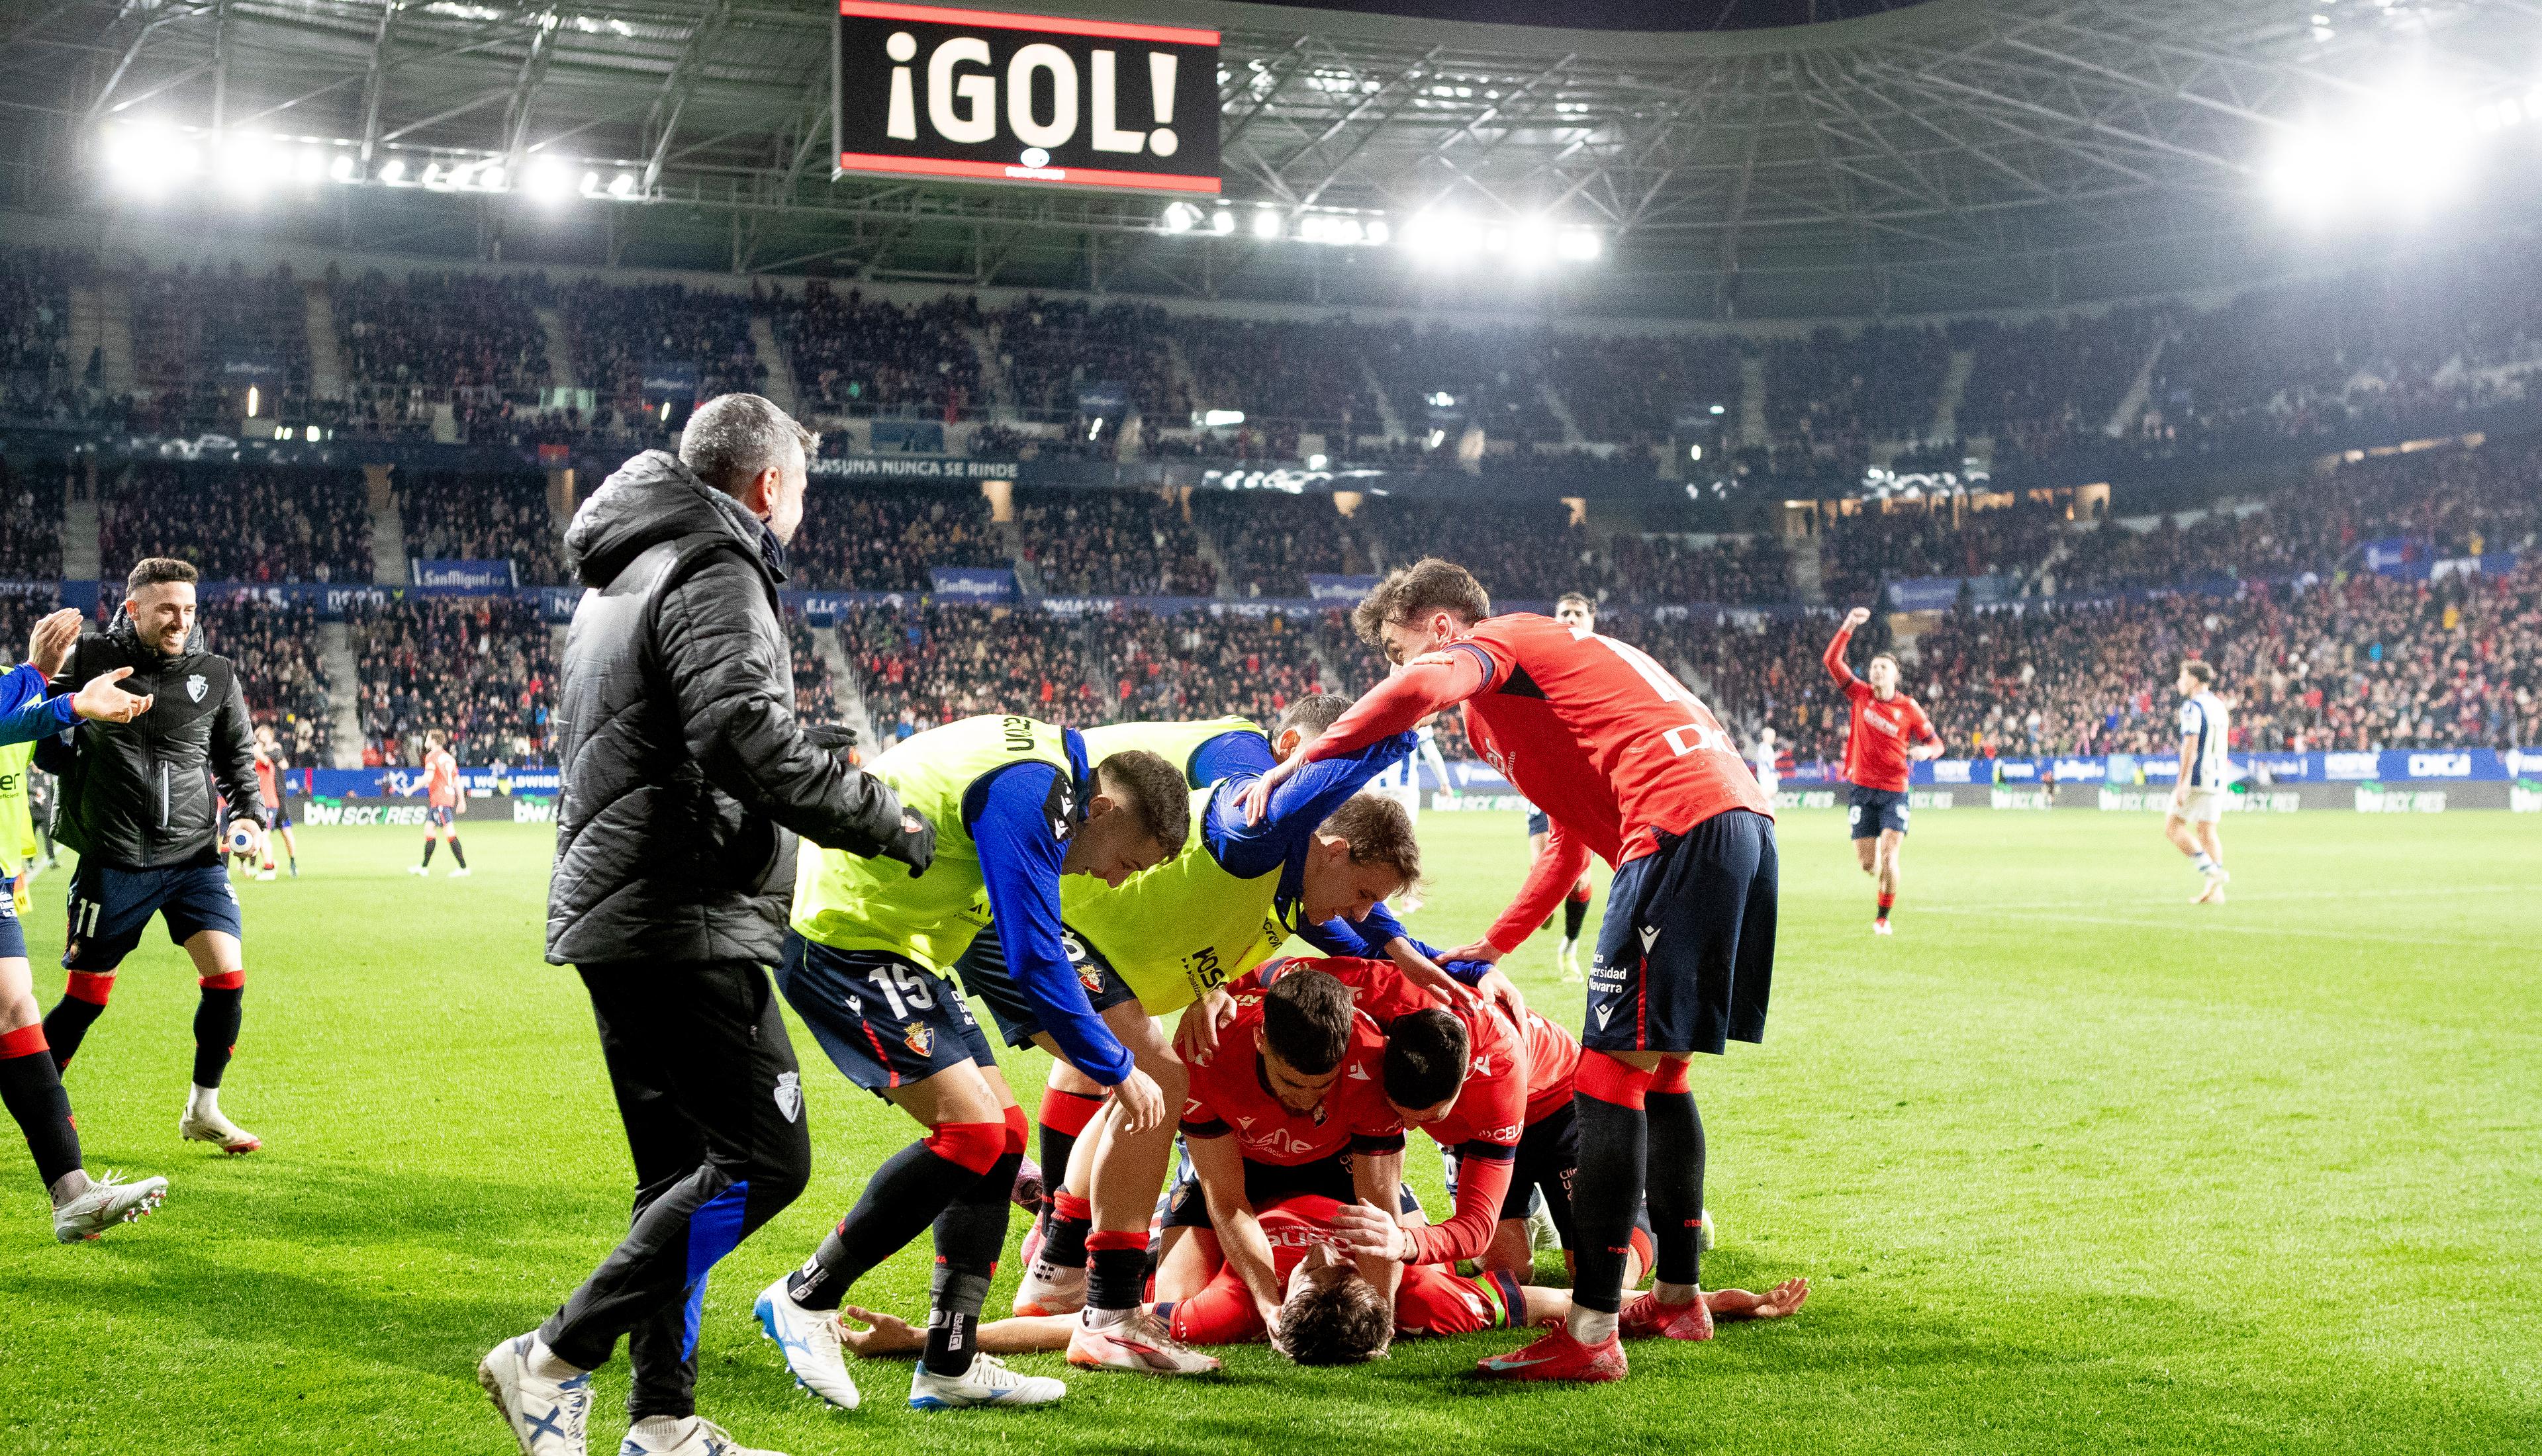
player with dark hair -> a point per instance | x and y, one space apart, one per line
1887 730
1633 768
2191 815
443 804
1330 1315
138 805
1016 807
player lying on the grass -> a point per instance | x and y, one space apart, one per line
30 1086
138 805
1330 1313
1017 808
1323 851
1886 731
2193 817
1632 767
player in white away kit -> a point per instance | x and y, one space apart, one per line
1766 759
2206 770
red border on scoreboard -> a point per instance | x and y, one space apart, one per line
1084 176
935 15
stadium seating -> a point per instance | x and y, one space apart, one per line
854 355
275 650
882 539
1091 541
30 503
238 522
479 668
482 517
193 326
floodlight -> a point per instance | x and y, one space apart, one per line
1223 222
344 168
1581 245
394 173
549 179
1266 223
1179 216
492 177
311 164
623 185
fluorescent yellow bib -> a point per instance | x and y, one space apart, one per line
850 903
1175 743
1182 928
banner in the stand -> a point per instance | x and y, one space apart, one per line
1941 593
465 575
974 583
1326 586
914 467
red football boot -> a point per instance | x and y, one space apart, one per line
1557 1356
1646 1317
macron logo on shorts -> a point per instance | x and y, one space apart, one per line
1650 933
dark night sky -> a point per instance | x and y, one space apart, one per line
1622 15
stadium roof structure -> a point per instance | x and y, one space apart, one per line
1945 155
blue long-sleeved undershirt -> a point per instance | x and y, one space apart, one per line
1298 807
26 714
1367 939
1019 860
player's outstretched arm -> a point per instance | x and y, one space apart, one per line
1219 1164
890 1334
1020 860
1835 657
1564 860
1415 691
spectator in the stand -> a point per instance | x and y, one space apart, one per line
241 522
480 668
1105 541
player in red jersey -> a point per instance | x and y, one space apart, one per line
1289 1103
273 785
443 803
1888 731
1631 766
1330 1314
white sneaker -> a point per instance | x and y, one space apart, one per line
1139 1342
106 1203
417 869
987 1383
1541 1232
547 1416
704 1438
1049 1288
1881 927
460 873
1703 1235
1570 960
209 1125
266 874
809 1340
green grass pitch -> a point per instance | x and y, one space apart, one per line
2072 1166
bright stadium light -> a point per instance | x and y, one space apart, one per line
345 168
310 166
394 171
1180 217
145 157
1581 245
1531 244
623 186
1222 222
492 177
246 164
549 180
1266 223
2408 150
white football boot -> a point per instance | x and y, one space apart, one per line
1138 1342
809 1340
106 1203
1048 1288
548 1418
209 1125
699 1437
987 1383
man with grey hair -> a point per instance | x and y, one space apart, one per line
687 779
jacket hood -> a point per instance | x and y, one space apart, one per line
126 634
654 498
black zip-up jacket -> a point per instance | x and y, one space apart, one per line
138 795
686 775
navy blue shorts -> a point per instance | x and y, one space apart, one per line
983 969
438 816
111 908
885 1020
279 815
13 935
1538 823
1686 955
1871 810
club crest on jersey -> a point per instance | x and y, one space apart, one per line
790 1095
196 686
921 1039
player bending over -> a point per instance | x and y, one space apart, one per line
443 804
1330 1315
273 786
30 1086
1015 808
1323 851
1888 729
1631 766
2191 820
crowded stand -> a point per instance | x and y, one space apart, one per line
1634 388
1053 348
1444 379
477 669
274 646
455 331
1531 552
1677 568
31 548
623 335
239 521
2041 387
452 515
871 537
1132 543
1200 664
925 664
816 695
1270 541
2359 662
35 365
202 336
1308 375
854 355
1881 384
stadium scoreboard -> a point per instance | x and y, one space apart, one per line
928 90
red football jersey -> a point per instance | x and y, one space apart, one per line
1431 1300
1552 1057
1491 1106
1875 742
1227 1097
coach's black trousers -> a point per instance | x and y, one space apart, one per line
714 1106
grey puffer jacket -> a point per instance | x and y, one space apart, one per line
686 775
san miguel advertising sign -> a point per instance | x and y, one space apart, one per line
928 90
